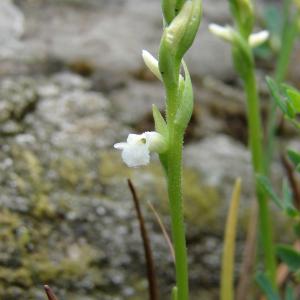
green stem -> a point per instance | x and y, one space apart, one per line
255 141
174 174
176 209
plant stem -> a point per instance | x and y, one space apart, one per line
176 210
174 174
255 141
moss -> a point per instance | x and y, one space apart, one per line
201 202
27 258
19 277
111 166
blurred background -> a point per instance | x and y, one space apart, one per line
73 83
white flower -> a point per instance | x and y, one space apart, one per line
136 151
226 33
256 39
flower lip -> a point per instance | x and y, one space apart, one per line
136 151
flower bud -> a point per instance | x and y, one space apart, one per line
226 33
177 39
257 39
152 63
180 34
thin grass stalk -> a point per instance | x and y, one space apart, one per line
227 276
163 230
243 287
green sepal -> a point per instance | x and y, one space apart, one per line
186 104
289 256
168 9
168 67
159 122
265 284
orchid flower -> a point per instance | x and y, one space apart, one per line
136 151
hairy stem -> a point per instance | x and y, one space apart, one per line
176 210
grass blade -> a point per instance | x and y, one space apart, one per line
227 278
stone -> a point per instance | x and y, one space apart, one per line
110 36
220 160
11 28
133 102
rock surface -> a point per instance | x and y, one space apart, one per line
107 36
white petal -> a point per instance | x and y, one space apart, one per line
221 31
134 139
256 39
136 155
152 63
120 146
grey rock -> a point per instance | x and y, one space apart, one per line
134 102
11 28
221 160
110 36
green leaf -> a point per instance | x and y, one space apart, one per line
294 156
288 201
266 286
294 97
296 229
289 293
275 92
159 121
185 109
289 256
265 186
